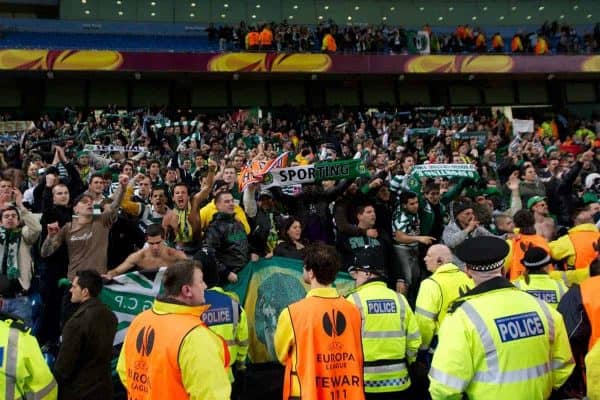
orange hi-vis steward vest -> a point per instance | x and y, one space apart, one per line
497 42
516 44
590 297
266 37
330 42
583 244
253 38
516 267
329 357
152 362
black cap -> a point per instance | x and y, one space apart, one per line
370 259
460 206
535 258
219 183
483 253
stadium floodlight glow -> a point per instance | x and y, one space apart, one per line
392 8
514 8
485 8
541 8
83 1
295 6
253 16
258 6
192 15
291 17
528 17
87 12
356 8
320 17
501 18
589 16
325 7
575 7
349 18
152 3
119 2
120 13
384 18
450 9
421 8
193 5
223 15
226 5
153 14
562 16
474 18
440 18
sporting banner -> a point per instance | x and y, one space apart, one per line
522 125
321 171
456 119
481 136
422 132
96 148
264 287
440 170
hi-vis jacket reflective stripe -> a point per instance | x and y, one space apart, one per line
166 349
435 296
318 340
543 287
576 246
390 337
590 297
571 276
24 373
512 262
517 351
227 318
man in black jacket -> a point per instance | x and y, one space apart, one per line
83 369
226 238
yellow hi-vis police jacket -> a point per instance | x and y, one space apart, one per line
227 318
436 293
498 342
543 287
390 337
23 370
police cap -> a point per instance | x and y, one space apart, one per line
369 259
484 253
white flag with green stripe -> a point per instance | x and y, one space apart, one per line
130 294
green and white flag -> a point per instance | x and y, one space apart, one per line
440 171
130 294
481 136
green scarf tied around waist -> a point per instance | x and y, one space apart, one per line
10 241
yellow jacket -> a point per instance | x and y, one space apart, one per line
563 246
201 355
227 318
389 334
543 287
518 351
571 276
208 211
22 359
436 293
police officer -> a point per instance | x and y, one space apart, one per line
23 370
497 341
436 293
390 334
536 281
227 318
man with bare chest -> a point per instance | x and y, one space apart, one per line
154 255
544 224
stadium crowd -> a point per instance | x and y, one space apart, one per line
550 38
94 196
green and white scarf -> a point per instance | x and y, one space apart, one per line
9 249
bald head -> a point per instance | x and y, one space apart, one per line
437 255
